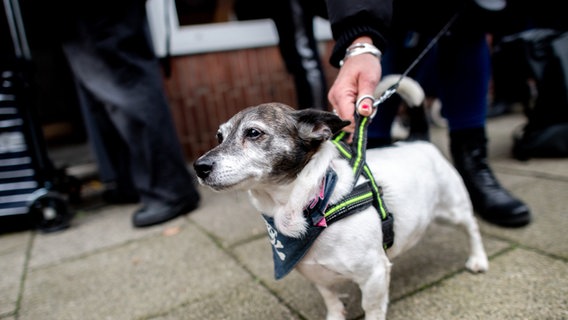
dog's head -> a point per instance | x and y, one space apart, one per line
265 145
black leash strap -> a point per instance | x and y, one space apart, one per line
392 89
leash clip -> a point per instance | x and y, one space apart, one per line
387 94
375 104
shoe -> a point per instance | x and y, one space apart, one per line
548 142
490 200
157 212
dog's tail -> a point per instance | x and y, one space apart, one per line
408 89
413 96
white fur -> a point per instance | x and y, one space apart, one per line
288 215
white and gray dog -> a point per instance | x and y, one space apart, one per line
283 156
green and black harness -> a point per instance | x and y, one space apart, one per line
319 214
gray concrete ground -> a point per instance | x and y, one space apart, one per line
216 262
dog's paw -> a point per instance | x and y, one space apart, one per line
477 264
291 225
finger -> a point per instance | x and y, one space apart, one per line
365 106
367 83
343 103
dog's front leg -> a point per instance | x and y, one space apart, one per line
290 221
334 306
375 290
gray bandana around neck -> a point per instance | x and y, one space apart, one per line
288 251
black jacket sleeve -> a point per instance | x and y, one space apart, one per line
351 19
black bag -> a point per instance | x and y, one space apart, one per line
545 55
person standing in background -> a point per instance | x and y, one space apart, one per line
119 84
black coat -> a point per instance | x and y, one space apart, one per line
351 19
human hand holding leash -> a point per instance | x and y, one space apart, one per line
357 78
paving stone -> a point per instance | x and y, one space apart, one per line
95 230
248 301
141 278
520 285
13 251
229 216
547 232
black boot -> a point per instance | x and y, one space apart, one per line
490 200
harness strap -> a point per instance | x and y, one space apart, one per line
378 203
364 194
356 150
360 198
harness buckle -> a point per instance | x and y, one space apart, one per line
388 231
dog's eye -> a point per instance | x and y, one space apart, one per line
219 137
253 133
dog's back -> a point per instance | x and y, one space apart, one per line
430 188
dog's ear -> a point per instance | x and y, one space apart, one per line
318 125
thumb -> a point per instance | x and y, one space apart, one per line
365 98
367 81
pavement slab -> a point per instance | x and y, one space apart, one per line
13 255
140 278
93 231
547 233
228 216
244 302
520 285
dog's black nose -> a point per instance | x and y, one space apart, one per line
203 167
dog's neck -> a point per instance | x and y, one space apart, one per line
287 202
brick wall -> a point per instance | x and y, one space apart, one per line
206 90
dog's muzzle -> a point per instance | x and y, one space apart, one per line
203 167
